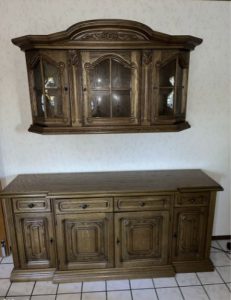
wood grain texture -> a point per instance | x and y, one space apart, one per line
110 225
4 227
76 105
111 182
107 32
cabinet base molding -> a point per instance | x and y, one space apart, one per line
119 129
32 275
193 266
115 273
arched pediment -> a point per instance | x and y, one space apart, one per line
95 33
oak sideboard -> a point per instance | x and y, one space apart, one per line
92 226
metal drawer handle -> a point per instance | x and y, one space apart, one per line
83 206
192 200
31 205
142 204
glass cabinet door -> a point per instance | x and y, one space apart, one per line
170 82
110 85
49 87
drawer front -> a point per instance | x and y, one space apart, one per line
137 203
83 204
192 199
21 205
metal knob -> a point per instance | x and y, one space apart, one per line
84 206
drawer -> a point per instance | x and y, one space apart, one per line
31 205
138 203
192 199
83 204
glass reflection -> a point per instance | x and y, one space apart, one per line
166 104
100 75
121 104
100 104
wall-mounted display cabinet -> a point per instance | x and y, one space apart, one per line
107 76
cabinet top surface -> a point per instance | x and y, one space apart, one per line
111 182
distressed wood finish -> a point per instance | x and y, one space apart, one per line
110 225
35 240
141 238
88 239
4 227
74 53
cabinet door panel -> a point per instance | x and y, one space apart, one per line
35 240
190 227
111 87
48 80
88 240
141 238
170 72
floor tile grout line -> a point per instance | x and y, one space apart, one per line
219 274
81 290
8 288
179 288
106 288
32 290
130 289
203 286
229 288
57 291
156 293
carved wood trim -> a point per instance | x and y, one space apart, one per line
107 30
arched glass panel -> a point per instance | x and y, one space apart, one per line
100 75
110 83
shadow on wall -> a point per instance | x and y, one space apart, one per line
22 92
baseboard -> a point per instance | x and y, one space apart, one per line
221 237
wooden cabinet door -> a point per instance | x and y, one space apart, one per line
35 239
111 87
170 75
141 238
189 237
49 87
85 241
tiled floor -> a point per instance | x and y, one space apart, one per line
188 286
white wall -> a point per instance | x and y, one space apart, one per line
206 145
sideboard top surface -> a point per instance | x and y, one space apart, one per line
111 182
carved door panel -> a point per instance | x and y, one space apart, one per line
111 87
35 240
49 87
85 241
141 238
190 227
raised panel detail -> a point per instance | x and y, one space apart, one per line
85 240
88 240
192 199
190 233
35 239
31 205
83 205
141 238
155 202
